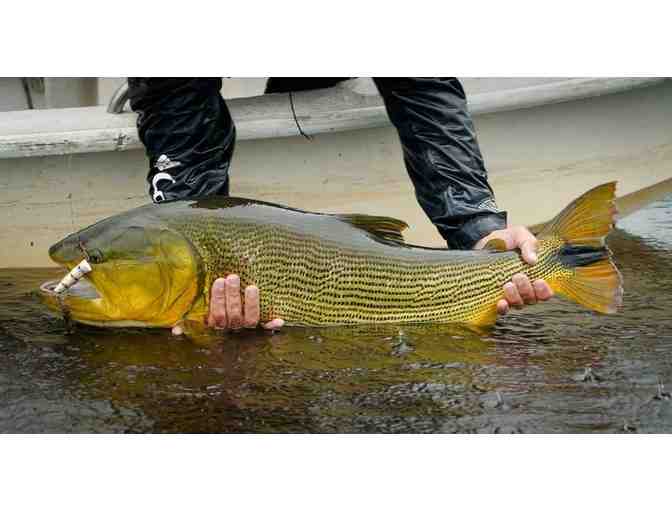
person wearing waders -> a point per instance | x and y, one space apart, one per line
189 136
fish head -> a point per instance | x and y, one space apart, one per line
142 273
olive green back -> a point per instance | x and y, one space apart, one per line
316 269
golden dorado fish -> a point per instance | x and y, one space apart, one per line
154 266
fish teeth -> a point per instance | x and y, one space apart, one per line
76 274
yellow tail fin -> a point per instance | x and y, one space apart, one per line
583 225
587 220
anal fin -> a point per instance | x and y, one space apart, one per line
486 317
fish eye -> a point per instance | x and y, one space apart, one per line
95 256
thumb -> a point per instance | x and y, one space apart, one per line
529 251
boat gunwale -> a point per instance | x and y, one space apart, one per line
35 133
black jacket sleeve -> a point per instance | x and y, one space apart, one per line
442 156
188 133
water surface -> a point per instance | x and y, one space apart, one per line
551 368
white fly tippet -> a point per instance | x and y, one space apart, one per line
76 274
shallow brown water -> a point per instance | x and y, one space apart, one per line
552 368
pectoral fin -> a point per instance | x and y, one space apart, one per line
495 245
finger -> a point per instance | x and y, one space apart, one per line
251 304
217 316
524 288
480 244
508 238
528 248
274 324
177 330
502 307
511 295
543 290
234 308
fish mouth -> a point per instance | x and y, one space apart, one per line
120 294
83 289
144 279
79 302
82 301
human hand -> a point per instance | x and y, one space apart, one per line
228 312
519 290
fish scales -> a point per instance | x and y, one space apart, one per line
312 279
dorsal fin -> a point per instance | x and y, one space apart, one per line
384 227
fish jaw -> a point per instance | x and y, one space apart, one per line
80 302
156 290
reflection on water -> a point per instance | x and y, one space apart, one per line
653 224
552 368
